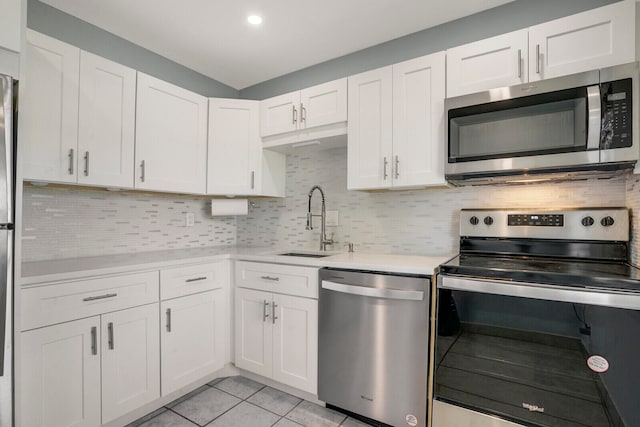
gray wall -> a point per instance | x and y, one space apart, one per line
55 23
512 16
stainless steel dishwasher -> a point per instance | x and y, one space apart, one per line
373 345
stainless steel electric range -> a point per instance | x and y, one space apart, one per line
539 320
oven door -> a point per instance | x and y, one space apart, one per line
537 355
547 124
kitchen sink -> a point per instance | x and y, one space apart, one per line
306 255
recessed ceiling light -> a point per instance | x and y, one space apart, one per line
255 19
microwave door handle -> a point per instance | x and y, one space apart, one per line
595 115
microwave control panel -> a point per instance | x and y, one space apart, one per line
616 114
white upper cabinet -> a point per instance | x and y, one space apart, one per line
418 121
107 122
280 114
370 132
10 24
78 114
171 138
396 125
49 109
585 41
235 149
486 64
312 113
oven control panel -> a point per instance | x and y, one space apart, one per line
605 224
536 220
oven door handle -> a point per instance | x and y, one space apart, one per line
373 292
541 291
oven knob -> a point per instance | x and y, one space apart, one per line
587 221
607 221
474 220
488 220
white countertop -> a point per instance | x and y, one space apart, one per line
75 268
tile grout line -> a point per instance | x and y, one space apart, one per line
241 401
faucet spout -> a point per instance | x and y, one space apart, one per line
324 241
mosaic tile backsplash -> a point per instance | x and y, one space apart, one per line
64 222
406 222
68 222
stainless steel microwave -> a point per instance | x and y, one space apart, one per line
578 125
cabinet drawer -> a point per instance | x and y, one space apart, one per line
283 279
181 281
56 303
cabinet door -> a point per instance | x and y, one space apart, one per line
130 360
370 130
253 331
280 114
106 123
323 104
585 41
295 342
49 109
418 121
171 138
197 323
235 147
487 64
10 24
61 375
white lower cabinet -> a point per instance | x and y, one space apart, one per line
193 338
130 360
276 336
75 371
60 375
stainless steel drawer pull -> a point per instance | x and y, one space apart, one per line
253 179
397 167
273 313
71 161
86 163
168 320
366 291
295 116
384 168
273 279
196 279
142 171
303 113
99 297
265 308
538 58
94 340
519 63
110 337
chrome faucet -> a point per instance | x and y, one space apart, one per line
323 235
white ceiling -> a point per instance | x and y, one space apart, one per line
214 38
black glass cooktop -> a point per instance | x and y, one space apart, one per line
566 272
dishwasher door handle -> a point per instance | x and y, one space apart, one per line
373 292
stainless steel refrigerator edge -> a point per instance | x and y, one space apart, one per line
7 140
373 345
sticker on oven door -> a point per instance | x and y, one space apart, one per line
411 420
598 364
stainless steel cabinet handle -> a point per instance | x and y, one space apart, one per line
265 307
253 179
196 279
384 168
86 163
303 113
110 333
94 340
538 58
273 313
397 167
70 161
295 115
100 297
273 279
142 171
168 320
519 63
